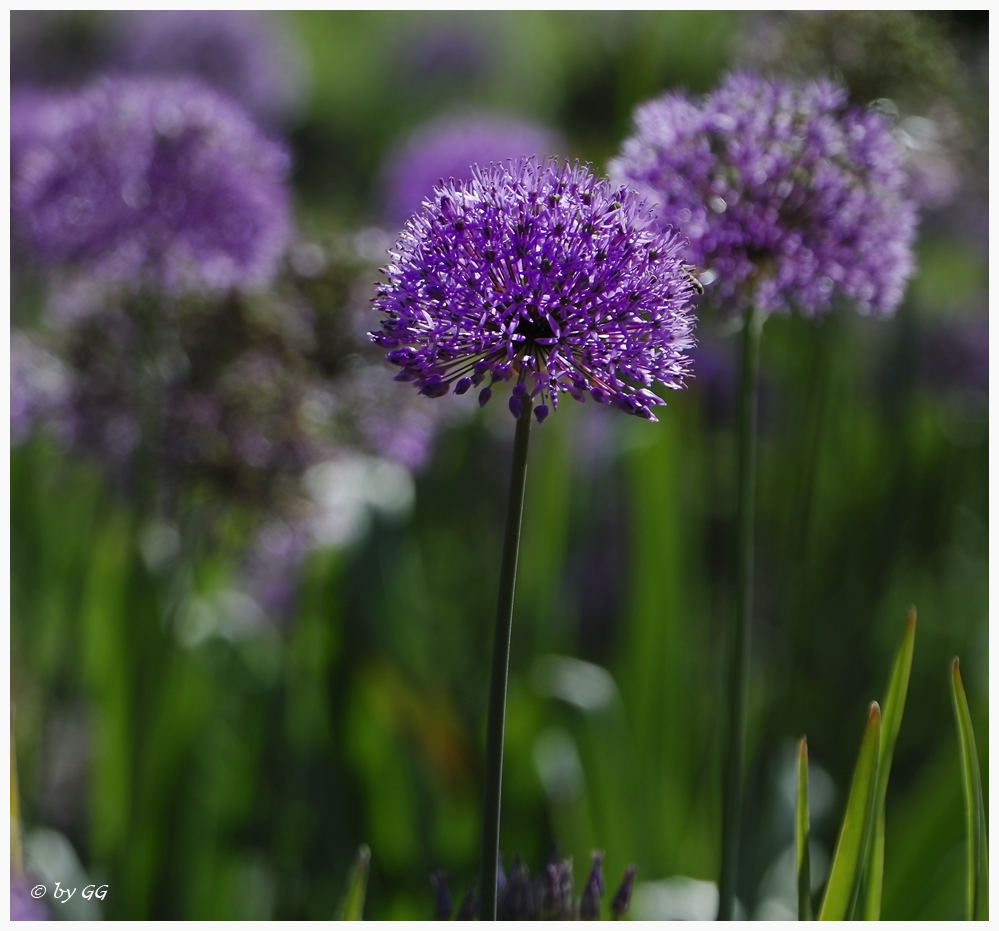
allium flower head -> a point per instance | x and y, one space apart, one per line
541 273
548 897
446 148
786 193
149 181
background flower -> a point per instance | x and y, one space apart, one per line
148 181
791 198
446 149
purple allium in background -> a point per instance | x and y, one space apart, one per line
246 389
549 897
447 147
149 181
272 407
250 56
444 53
541 272
791 197
38 118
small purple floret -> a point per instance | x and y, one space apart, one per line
543 273
791 197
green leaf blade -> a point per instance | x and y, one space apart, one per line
353 902
848 860
974 804
801 834
891 722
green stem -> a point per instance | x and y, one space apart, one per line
500 670
738 661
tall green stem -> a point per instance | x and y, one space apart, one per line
738 660
500 670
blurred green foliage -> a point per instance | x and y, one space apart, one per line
222 770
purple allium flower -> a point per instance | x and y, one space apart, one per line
788 195
622 898
446 148
444 53
149 181
589 904
249 55
273 406
549 897
444 905
541 272
37 118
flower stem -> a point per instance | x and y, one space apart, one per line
500 670
738 660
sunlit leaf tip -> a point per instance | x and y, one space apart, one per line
976 829
353 903
801 835
843 886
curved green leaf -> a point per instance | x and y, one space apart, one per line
353 902
974 805
801 834
891 721
854 833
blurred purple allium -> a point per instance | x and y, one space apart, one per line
622 898
444 53
245 388
446 149
270 409
791 197
593 891
541 272
549 897
149 181
250 56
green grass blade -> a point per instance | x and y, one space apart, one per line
801 835
357 885
891 721
974 805
854 833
